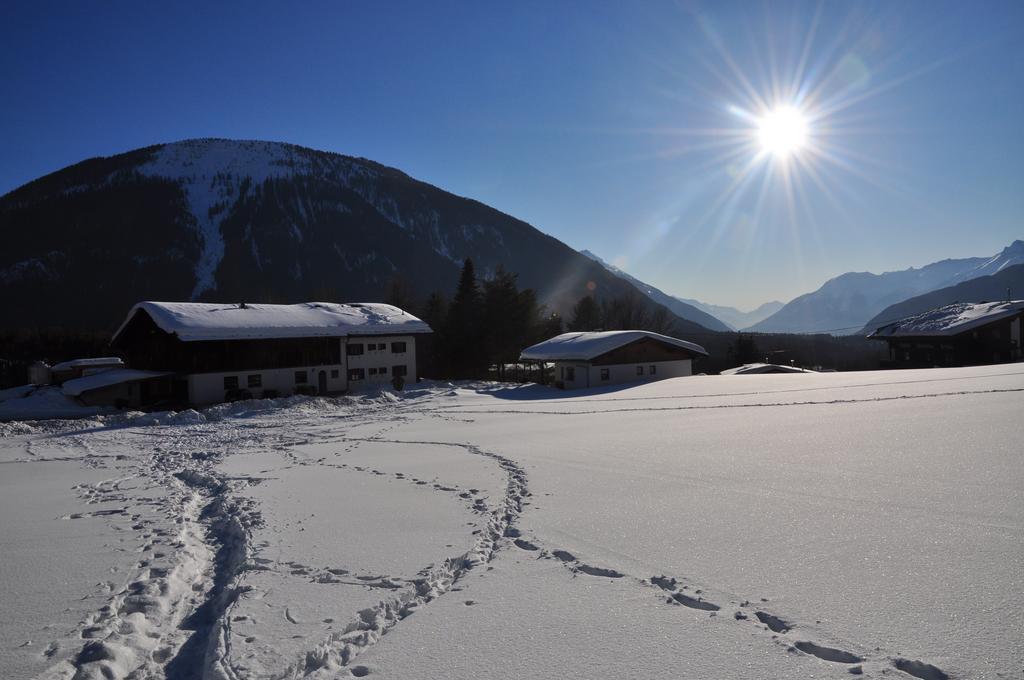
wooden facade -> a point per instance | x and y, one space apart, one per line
994 343
643 351
144 345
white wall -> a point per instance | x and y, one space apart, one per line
208 388
623 373
378 359
581 374
590 376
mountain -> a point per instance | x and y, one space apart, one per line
733 317
844 304
226 220
678 307
981 289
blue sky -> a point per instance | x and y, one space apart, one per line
615 127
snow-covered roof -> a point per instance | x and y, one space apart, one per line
587 346
90 362
210 321
114 376
950 320
750 369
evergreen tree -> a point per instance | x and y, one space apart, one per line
744 350
550 325
507 317
586 315
624 313
430 348
399 294
462 339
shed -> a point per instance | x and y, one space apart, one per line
959 334
611 357
76 368
753 369
121 387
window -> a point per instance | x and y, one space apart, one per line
373 371
231 382
301 377
652 369
399 370
570 373
356 374
334 373
639 370
255 380
356 349
398 348
605 374
383 370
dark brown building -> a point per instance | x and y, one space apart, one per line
960 334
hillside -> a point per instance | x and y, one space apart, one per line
225 220
844 304
981 289
675 305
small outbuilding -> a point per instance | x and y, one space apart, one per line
960 334
754 369
612 357
77 368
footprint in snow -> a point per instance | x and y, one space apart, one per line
695 602
827 653
920 669
774 623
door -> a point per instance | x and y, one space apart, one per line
322 382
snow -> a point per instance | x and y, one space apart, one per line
209 321
43 403
114 376
16 392
951 319
90 362
783 526
586 346
753 369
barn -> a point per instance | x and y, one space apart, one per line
960 334
613 357
219 352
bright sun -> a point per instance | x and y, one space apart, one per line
782 131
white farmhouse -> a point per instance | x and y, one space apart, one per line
612 357
216 352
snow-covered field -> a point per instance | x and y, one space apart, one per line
765 526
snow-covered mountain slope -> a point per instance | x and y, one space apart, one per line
981 289
675 305
843 305
228 220
735 318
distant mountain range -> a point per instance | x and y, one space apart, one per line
734 318
680 308
844 305
226 220
1008 283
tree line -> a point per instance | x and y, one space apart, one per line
489 321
